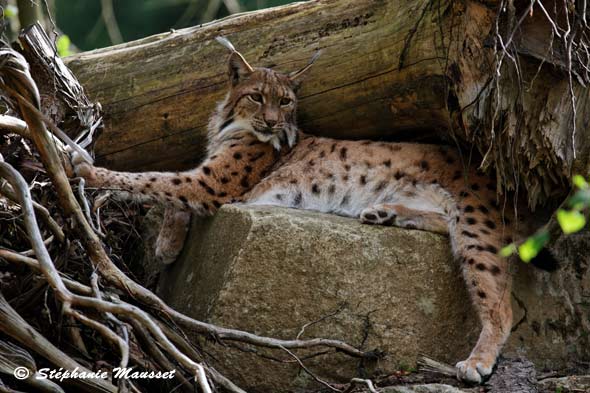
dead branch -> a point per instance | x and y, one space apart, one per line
76 336
13 124
70 299
574 384
308 372
40 210
155 354
358 381
34 264
13 357
17 328
428 364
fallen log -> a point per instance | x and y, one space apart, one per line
390 69
158 93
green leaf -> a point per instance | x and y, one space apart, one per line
10 11
580 198
570 221
508 250
580 182
63 46
527 251
531 247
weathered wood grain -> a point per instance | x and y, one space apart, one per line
157 93
390 69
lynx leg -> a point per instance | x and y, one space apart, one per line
404 217
172 234
488 282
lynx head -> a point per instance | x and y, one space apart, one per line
260 101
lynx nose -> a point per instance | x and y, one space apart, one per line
270 123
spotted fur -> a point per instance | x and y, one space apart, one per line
256 155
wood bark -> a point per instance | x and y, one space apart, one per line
62 97
390 69
158 93
513 375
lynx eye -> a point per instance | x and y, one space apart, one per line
285 101
255 97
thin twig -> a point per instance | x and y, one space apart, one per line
15 257
359 381
15 125
86 206
428 364
323 318
108 17
40 210
69 299
315 377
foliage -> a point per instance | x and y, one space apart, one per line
10 11
574 220
83 21
570 220
63 46
532 246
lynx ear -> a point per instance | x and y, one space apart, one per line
238 66
297 76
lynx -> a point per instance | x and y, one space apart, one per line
257 155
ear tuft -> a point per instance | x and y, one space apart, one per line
297 76
225 42
238 66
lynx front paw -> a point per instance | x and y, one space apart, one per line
375 216
172 234
166 254
474 369
82 168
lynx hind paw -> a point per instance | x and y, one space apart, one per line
474 370
376 216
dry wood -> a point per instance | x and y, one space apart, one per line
14 326
12 124
513 375
13 357
157 93
40 210
70 299
430 365
62 97
389 69
572 384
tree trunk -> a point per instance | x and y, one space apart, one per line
391 69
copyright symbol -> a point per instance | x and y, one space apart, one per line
21 373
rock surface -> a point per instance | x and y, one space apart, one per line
429 388
273 271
